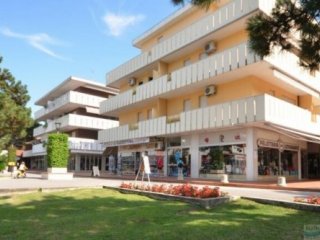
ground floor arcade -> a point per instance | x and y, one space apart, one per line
244 154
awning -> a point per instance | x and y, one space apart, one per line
294 133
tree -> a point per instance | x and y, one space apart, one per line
291 26
288 20
15 116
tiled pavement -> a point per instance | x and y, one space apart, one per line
244 189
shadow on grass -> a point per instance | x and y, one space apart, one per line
107 214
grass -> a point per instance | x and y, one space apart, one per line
107 214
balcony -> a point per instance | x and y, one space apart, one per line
226 61
280 69
72 121
85 145
68 102
256 110
201 29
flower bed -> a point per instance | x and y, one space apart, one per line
186 190
310 200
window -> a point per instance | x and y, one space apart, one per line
203 101
187 105
149 114
160 39
203 55
150 79
187 62
140 83
140 116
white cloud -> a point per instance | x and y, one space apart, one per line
117 24
38 41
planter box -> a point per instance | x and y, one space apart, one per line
217 171
57 170
57 174
207 203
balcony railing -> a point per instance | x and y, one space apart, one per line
70 97
76 121
262 108
219 63
209 24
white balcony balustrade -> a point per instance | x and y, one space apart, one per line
71 97
85 145
225 15
73 121
226 61
259 109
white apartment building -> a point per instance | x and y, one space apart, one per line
197 92
72 108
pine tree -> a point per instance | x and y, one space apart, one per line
292 25
15 116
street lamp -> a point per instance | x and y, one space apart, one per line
280 148
58 125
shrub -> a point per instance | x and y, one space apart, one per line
2 165
186 190
58 150
12 155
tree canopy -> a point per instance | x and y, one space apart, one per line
292 25
15 116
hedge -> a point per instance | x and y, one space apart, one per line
12 155
58 150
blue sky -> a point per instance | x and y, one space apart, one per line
43 42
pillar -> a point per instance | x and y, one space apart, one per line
194 150
77 163
299 164
252 155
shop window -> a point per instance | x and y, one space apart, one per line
177 156
174 142
82 163
229 159
269 162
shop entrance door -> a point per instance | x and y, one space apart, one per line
314 165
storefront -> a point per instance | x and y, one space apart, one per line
223 153
277 159
178 151
129 155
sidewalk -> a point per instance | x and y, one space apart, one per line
33 182
302 185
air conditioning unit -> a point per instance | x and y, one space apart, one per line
132 81
159 146
210 90
210 47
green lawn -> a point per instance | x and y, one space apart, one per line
107 214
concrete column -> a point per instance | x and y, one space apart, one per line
103 163
252 155
165 163
77 163
299 164
194 150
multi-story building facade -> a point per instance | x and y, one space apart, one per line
197 93
73 108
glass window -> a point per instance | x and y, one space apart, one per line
149 114
174 142
186 105
176 156
140 116
268 162
203 101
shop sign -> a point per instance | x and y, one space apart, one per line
128 142
276 144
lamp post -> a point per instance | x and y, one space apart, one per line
281 179
58 125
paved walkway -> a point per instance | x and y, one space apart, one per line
34 181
